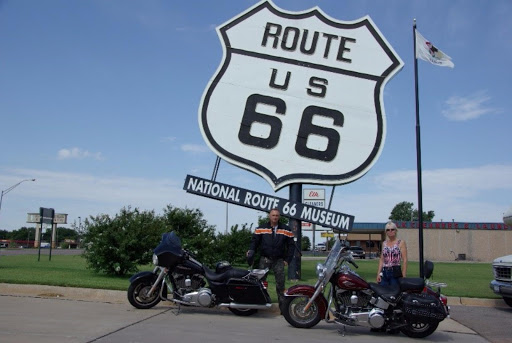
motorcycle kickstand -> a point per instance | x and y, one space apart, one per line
178 311
342 330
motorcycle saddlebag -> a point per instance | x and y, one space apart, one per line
422 308
245 291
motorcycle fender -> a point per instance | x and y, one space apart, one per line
147 274
308 290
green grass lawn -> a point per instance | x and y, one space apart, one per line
464 279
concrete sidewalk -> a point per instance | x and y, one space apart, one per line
119 297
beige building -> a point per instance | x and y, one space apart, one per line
442 241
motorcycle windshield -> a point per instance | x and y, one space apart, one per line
170 243
332 258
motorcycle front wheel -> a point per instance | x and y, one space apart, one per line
243 312
419 330
138 294
293 312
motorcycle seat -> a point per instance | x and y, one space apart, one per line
229 274
411 283
388 293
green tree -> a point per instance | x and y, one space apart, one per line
117 245
23 233
305 244
262 220
233 246
404 211
4 234
195 233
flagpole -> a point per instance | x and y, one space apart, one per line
418 153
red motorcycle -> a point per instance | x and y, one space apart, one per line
413 307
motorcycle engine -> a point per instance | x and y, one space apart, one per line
376 318
353 299
201 298
188 283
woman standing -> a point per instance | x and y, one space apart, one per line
394 251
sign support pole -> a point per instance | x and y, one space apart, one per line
294 269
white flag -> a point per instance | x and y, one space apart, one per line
428 52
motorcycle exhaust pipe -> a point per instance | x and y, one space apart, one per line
246 306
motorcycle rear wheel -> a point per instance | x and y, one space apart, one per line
419 330
293 312
243 312
137 294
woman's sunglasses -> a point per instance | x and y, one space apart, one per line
387 230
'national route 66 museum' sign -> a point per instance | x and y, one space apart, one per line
298 96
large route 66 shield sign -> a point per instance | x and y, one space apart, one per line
298 96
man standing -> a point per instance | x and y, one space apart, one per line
276 244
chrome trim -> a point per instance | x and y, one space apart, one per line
244 306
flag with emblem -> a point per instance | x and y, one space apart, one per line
430 53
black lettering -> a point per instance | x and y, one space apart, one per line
296 33
328 43
308 128
319 83
251 116
312 47
274 34
342 48
273 83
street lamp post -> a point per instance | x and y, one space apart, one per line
79 231
5 191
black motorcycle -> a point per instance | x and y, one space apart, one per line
178 277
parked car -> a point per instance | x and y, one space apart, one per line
320 247
502 283
358 252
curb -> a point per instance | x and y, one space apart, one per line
119 297
461 301
70 293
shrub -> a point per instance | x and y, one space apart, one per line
117 245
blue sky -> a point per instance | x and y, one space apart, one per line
99 103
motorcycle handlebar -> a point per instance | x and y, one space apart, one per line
353 263
188 253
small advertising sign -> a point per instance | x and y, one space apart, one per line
314 197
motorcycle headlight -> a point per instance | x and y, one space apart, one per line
155 260
320 270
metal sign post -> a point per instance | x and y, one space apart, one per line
47 215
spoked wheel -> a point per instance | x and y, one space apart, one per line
245 312
138 294
293 312
419 330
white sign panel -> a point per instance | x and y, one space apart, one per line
60 218
298 95
314 197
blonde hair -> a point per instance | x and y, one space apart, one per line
391 225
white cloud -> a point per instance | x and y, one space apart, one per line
195 148
467 108
168 139
465 194
478 194
77 153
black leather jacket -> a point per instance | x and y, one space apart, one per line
281 245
